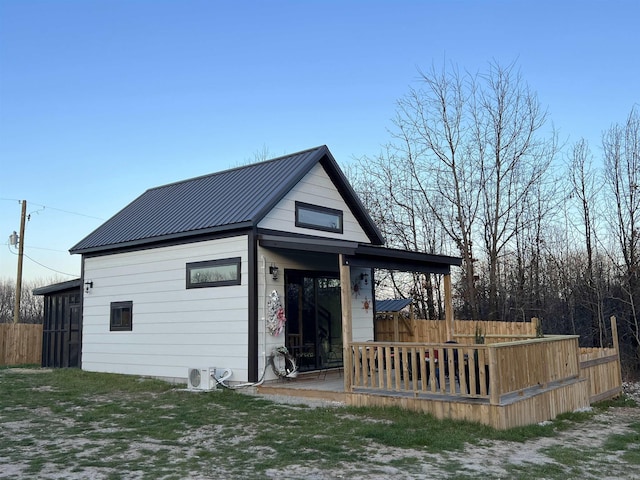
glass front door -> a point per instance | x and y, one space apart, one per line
314 319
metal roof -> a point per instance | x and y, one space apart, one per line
232 199
392 305
58 287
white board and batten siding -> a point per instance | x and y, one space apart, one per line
174 328
315 188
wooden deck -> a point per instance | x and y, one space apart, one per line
323 385
503 384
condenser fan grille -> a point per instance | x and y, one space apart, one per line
195 377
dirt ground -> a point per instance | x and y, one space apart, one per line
489 460
496 459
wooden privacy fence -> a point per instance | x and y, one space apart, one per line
601 367
20 343
388 326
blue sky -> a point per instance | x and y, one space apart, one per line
101 100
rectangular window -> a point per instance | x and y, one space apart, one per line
214 273
318 218
121 318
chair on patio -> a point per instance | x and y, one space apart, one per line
456 369
364 353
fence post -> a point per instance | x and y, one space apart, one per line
448 306
535 325
616 345
494 395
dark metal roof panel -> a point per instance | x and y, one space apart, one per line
219 200
392 305
58 287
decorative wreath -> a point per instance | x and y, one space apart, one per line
283 364
275 315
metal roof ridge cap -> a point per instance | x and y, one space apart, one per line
234 169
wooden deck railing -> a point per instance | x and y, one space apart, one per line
421 368
472 371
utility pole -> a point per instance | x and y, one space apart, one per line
16 309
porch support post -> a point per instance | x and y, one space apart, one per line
347 330
448 306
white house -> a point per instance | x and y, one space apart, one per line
182 276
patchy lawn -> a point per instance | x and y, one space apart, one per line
72 424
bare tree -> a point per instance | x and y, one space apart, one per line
512 156
585 185
31 306
433 140
469 156
621 145
387 192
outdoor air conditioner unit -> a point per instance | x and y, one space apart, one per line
200 379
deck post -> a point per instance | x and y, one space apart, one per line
347 330
494 394
448 306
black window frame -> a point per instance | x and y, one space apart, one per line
234 261
319 209
119 307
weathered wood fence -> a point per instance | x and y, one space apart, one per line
601 366
20 343
435 331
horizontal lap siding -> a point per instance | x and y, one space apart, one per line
361 317
362 322
315 188
174 328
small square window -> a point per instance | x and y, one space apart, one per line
121 318
214 273
318 218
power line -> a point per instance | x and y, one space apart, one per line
41 264
52 269
53 208
31 247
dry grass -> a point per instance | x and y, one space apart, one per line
72 424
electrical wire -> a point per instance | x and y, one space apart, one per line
49 268
41 264
52 208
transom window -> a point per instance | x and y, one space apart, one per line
318 218
214 273
121 317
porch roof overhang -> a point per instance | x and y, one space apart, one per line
323 245
364 255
